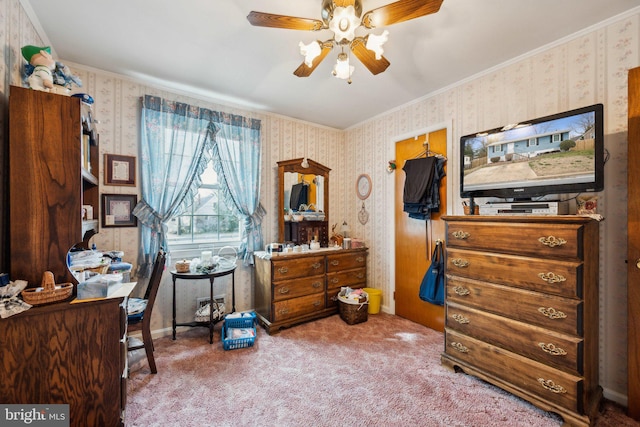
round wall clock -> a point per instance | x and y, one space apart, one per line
363 186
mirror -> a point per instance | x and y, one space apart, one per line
306 187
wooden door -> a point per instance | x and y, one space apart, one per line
415 239
633 247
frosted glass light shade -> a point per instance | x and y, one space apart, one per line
374 43
344 23
310 52
342 69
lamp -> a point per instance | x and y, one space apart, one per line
310 52
342 69
374 43
345 229
344 21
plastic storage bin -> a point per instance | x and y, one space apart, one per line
239 331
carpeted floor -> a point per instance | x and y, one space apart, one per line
384 372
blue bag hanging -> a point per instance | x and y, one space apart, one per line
432 286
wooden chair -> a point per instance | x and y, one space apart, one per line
143 324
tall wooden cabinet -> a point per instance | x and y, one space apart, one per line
48 184
64 353
522 308
298 287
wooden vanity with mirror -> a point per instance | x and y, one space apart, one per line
295 287
304 192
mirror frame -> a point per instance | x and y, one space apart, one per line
294 165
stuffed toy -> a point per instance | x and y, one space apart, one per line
40 58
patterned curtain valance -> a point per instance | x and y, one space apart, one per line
157 103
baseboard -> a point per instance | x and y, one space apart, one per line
614 396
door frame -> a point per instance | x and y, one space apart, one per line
453 180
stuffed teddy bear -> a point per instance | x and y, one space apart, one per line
40 58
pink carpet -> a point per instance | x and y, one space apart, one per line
384 372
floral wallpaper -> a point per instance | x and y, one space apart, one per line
588 68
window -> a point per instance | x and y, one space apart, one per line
208 222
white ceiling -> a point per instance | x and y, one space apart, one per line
209 48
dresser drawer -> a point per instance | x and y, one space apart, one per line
552 385
339 262
543 275
296 307
356 278
285 289
559 350
346 278
540 240
548 311
300 267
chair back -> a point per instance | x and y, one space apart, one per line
154 284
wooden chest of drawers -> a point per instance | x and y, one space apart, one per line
522 308
73 354
294 288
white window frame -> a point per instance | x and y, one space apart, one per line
193 249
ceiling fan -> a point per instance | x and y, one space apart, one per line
344 17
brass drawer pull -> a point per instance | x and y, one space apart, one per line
284 290
551 386
460 319
335 280
552 349
461 348
317 303
461 291
284 311
360 259
316 285
552 277
316 266
360 276
460 235
552 241
552 313
461 263
335 262
283 270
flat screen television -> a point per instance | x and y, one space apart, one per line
552 155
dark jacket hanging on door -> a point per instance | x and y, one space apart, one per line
422 186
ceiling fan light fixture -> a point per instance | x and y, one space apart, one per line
310 52
374 43
343 23
343 69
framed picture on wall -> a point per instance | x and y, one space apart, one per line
117 210
119 170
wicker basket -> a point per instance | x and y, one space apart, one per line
183 266
48 292
353 312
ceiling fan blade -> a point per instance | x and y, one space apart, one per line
304 70
261 19
400 11
368 58
344 3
